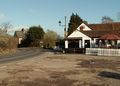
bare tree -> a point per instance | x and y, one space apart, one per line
118 15
5 26
106 19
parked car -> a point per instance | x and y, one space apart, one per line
57 49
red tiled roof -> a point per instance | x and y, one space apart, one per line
99 30
106 26
98 34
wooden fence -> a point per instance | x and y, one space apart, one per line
102 52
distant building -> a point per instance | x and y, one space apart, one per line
20 35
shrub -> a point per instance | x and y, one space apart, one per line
8 42
3 45
12 43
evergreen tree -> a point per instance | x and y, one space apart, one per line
36 32
34 36
74 22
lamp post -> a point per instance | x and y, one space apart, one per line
65 30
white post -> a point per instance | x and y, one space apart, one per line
80 44
90 43
118 43
66 43
83 43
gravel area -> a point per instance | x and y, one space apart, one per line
49 69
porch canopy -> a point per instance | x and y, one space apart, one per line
112 40
110 37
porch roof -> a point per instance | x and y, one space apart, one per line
110 37
73 38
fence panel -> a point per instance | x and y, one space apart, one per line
103 52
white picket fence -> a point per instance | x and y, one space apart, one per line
102 52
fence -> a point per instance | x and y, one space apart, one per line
102 52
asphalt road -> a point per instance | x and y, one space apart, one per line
22 53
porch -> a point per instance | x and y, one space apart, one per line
109 41
75 43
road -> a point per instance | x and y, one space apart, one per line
22 53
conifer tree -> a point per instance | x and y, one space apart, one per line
74 22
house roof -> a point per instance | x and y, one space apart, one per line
98 34
19 34
98 30
106 26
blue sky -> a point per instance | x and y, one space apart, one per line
47 13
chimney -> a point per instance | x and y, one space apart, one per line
23 31
81 28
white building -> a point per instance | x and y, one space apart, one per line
92 35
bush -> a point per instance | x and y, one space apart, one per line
8 42
50 39
8 45
12 43
3 45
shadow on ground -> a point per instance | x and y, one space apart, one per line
110 75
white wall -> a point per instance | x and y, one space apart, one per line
86 28
66 43
20 40
78 34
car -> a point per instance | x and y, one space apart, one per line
57 49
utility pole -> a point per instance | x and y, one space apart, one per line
65 27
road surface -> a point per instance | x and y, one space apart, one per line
22 53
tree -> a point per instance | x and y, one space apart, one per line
106 19
74 22
118 15
50 39
35 35
5 26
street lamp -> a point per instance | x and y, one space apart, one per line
65 31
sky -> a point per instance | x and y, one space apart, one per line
47 13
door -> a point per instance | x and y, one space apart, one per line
87 43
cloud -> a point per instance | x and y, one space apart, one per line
2 16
